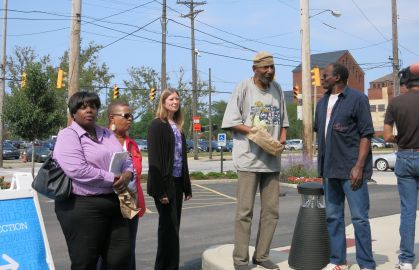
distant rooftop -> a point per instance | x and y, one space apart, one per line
386 78
322 59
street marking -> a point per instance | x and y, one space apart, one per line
216 192
214 204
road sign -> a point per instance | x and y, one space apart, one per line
23 240
196 119
197 127
222 139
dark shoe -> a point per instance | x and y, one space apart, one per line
242 267
268 264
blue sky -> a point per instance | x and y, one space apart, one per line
227 34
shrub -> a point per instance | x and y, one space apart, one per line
3 183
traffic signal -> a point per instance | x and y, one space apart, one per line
115 92
23 81
296 91
152 94
214 126
60 78
315 76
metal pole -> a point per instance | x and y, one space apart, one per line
306 80
163 48
3 78
396 66
194 82
222 159
210 113
74 55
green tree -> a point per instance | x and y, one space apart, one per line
295 131
94 76
35 111
139 129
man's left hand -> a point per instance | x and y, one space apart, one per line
356 177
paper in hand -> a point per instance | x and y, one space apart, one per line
117 162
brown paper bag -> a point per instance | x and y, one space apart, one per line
261 137
128 204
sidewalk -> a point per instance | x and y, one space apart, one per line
385 235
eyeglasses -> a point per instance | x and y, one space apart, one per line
125 115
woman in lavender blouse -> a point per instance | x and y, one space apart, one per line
91 218
168 176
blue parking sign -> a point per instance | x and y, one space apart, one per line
222 138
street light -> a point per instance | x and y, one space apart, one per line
306 76
334 12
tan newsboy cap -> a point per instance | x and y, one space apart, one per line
262 59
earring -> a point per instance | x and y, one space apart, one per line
113 127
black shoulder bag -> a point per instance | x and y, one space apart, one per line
51 181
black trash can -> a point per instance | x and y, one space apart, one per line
310 242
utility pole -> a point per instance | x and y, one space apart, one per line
396 65
306 80
163 47
74 55
191 15
3 78
209 114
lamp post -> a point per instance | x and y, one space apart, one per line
306 75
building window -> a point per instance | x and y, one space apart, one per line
381 107
373 108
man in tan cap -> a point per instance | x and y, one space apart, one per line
257 116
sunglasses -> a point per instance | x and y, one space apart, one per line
125 115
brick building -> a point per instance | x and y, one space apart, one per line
380 93
321 60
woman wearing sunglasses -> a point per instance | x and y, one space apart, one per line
120 120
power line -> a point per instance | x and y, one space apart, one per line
129 34
366 17
183 47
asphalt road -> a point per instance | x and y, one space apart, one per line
207 220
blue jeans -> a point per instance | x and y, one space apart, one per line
407 172
335 191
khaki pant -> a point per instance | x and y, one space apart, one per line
247 185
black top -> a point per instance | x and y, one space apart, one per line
404 112
161 149
349 122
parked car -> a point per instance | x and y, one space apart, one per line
41 153
189 146
383 162
294 144
9 151
386 144
48 144
142 145
375 143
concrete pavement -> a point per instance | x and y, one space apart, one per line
385 245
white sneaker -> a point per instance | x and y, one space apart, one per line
404 266
332 266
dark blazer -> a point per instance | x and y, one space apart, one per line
161 147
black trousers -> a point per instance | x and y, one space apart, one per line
93 227
133 228
167 257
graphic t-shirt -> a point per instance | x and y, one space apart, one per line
251 106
